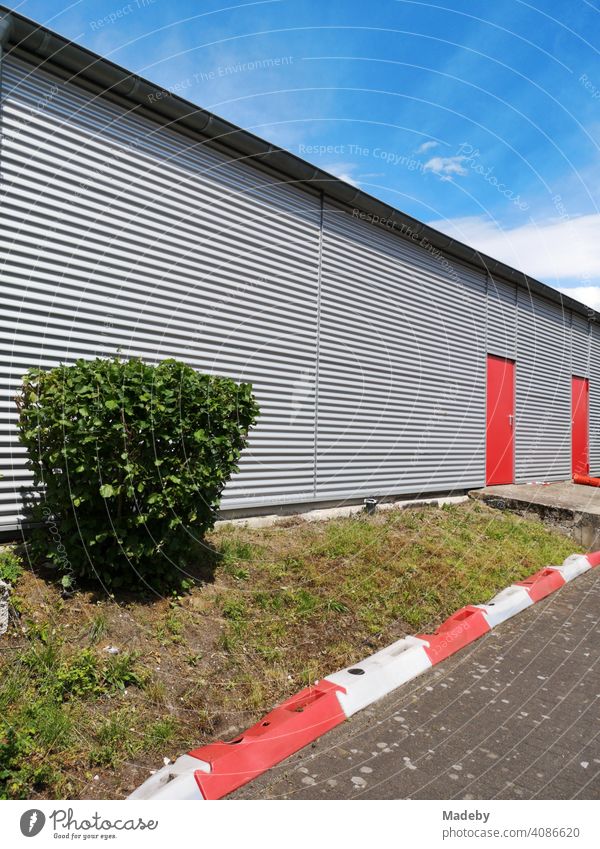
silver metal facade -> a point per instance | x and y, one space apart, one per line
581 349
367 350
543 391
119 236
401 365
502 319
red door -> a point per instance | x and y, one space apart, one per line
580 426
500 450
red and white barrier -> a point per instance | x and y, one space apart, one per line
174 781
376 676
593 558
213 771
573 566
460 629
506 604
542 583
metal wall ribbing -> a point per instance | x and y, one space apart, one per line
580 334
502 319
402 365
543 390
367 351
120 235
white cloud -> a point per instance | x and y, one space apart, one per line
343 170
589 295
556 250
428 145
446 166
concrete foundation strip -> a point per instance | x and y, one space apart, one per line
214 770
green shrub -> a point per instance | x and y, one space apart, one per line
132 459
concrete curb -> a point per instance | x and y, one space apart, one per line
217 769
325 513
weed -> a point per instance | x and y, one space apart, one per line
171 629
232 551
17 602
269 653
303 602
79 676
30 743
155 692
234 609
51 723
174 624
273 601
120 672
113 740
42 658
336 606
19 775
11 567
97 628
159 733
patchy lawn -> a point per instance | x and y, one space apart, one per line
288 604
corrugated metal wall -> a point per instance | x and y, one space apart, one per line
401 365
543 390
502 319
118 234
580 334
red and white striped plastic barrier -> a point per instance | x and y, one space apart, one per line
460 629
506 604
220 768
576 565
373 678
213 771
542 583
174 781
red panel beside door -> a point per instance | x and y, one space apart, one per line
500 450
580 426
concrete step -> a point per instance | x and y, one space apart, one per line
570 508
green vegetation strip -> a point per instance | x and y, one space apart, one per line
285 605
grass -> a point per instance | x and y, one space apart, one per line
288 604
97 628
55 699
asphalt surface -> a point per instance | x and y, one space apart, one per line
516 715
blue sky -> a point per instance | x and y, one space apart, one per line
481 118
